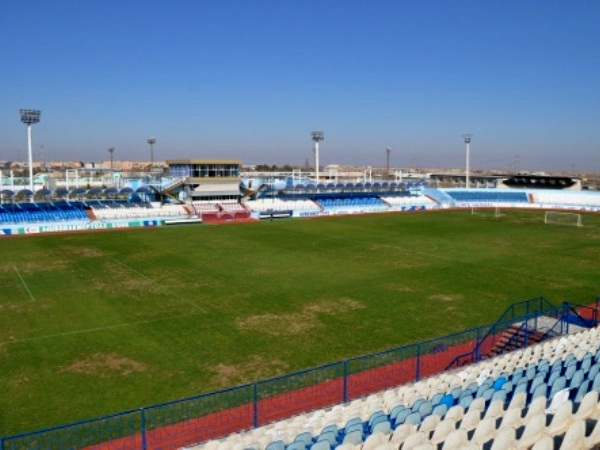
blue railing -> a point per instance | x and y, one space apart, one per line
197 419
518 309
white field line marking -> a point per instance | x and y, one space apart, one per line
187 302
25 286
92 330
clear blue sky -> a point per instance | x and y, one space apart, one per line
251 79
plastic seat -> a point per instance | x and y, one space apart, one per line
539 391
470 420
485 431
574 437
561 420
382 427
589 406
558 400
414 440
305 437
294 446
429 423
417 404
545 443
374 440
477 404
592 438
395 411
276 445
558 385
511 418
354 437
456 440
455 413
440 410
577 380
505 439
596 384
499 395
496 409
447 400
329 436
436 399
321 445
425 409
533 430
402 432
518 400
414 418
442 430
376 420
466 401
401 417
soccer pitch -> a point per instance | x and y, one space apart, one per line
96 323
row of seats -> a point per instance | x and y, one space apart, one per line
41 216
105 213
350 202
568 198
276 204
205 207
409 201
231 206
488 195
493 402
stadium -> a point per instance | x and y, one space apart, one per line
328 313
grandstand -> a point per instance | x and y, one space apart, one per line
523 382
542 395
95 208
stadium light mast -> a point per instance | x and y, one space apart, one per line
317 136
467 138
29 117
151 141
111 150
388 150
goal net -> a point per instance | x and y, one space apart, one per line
487 211
562 218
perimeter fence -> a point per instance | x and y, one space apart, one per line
200 418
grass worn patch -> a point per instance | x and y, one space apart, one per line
92 324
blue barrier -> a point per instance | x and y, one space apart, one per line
197 419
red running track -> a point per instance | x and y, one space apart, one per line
286 405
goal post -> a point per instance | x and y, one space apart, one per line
487 211
562 218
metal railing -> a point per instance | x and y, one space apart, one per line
197 419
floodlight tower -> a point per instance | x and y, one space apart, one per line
151 141
388 150
111 150
467 138
317 136
29 117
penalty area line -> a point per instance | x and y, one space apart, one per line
24 285
92 330
180 300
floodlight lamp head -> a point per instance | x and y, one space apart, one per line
151 140
318 136
30 116
467 138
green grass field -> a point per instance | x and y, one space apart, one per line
92 324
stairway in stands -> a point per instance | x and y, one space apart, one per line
515 337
